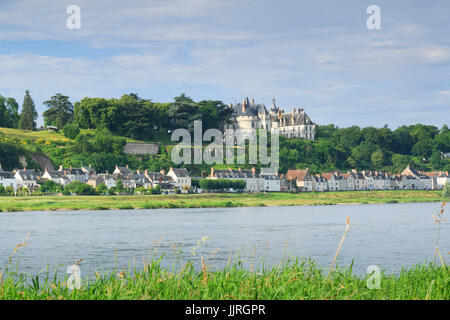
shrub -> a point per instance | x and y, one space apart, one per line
446 190
71 130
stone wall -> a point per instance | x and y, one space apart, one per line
141 148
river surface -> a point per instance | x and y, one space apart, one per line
387 235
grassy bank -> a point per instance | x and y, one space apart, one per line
214 200
290 280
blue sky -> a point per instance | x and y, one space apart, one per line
318 55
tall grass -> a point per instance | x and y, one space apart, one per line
294 279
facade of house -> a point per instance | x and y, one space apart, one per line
253 181
7 179
301 179
159 178
27 178
181 177
107 179
320 183
75 174
272 182
55 176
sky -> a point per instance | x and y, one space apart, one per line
317 55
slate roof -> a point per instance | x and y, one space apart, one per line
28 174
6 174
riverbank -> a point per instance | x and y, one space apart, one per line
293 280
52 203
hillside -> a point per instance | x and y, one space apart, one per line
47 135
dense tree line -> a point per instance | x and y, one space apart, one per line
369 148
221 184
138 118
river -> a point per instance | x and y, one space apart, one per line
387 235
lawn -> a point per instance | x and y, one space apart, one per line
214 200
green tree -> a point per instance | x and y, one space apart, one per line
29 114
71 130
9 112
377 159
59 112
102 188
446 190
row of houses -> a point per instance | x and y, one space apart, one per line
31 179
267 180
409 179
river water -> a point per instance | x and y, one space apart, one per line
387 235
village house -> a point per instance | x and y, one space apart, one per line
27 178
74 174
105 178
332 179
284 184
55 176
181 178
160 179
320 183
7 179
300 179
253 181
272 183
442 179
416 180
88 170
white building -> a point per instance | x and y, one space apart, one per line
272 182
27 178
7 179
249 116
320 183
181 178
56 176
253 181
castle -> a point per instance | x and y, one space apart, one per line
249 116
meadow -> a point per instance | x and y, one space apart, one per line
50 203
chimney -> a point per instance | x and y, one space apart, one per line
253 102
229 169
146 172
138 171
70 167
244 105
354 171
240 169
254 170
127 166
231 106
61 168
162 171
0 166
212 172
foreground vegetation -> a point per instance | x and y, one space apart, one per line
293 279
45 203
